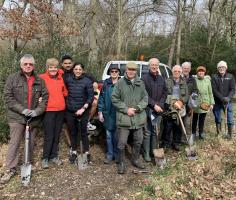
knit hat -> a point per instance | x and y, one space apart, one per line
222 64
201 68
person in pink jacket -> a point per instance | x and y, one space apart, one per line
54 115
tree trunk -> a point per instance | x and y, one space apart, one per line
119 29
69 9
93 53
179 33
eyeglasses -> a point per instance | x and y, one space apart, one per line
114 71
177 71
30 64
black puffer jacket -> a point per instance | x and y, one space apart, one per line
80 92
223 87
156 88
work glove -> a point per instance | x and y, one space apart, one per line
226 100
26 112
32 113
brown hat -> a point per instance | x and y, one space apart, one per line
201 68
131 65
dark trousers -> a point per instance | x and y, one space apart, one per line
78 125
198 118
123 134
52 123
170 126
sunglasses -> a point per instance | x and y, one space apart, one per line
114 71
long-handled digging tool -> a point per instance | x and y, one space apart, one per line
82 161
26 167
225 134
158 152
191 150
192 136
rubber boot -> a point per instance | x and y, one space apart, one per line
218 129
146 149
135 157
230 132
121 164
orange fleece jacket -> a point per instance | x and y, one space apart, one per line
57 91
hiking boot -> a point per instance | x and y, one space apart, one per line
91 127
45 163
107 161
88 158
7 175
56 161
73 157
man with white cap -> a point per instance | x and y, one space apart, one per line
223 86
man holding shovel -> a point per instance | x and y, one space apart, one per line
156 89
223 86
130 99
25 97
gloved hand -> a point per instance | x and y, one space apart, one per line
100 117
26 112
32 113
226 100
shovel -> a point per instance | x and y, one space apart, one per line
82 162
159 152
226 136
191 150
26 167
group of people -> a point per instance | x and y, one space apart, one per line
126 106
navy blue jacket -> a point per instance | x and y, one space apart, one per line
223 87
80 92
156 88
105 105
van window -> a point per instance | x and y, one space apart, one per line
169 71
163 71
145 69
112 65
122 69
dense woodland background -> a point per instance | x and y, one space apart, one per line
96 31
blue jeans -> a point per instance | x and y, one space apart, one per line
112 150
217 113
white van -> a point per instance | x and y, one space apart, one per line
165 71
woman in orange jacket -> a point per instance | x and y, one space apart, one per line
54 115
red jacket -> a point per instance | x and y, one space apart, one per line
57 91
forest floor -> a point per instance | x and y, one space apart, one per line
212 176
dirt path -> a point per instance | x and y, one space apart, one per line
66 182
